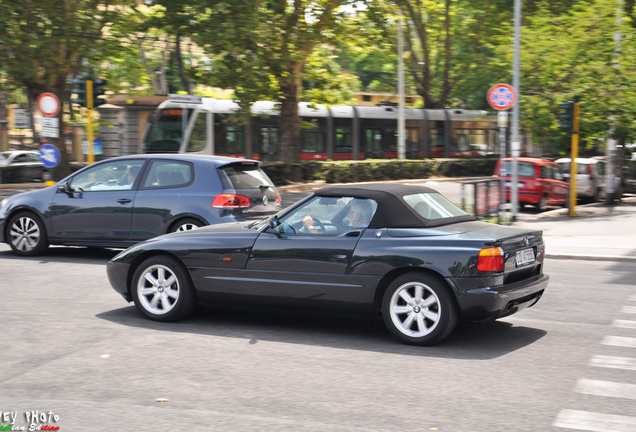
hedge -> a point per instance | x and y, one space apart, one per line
377 170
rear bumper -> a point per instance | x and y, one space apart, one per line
490 303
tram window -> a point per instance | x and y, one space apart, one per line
229 139
198 137
342 142
313 142
166 130
269 143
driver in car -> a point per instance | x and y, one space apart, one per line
360 212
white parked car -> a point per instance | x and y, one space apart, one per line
590 177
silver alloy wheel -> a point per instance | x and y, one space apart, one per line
25 234
415 309
158 289
187 227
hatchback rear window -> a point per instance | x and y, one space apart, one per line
237 177
580 168
526 169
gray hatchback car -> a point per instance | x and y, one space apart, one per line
122 201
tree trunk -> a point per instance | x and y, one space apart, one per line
185 81
290 122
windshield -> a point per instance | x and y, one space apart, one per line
433 206
166 130
4 156
566 168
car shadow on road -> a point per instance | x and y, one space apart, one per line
472 341
65 254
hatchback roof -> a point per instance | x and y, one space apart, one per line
224 160
529 159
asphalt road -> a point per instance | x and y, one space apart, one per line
71 346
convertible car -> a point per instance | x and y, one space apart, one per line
402 253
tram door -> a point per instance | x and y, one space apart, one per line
269 143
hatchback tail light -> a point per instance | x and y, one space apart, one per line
491 260
590 171
229 201
277 199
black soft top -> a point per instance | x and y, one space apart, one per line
393 211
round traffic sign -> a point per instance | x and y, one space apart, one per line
48 104
501 96
50 155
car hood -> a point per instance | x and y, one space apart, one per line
33 198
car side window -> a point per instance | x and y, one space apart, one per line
601 168
168 173
328 216
117 175
34 158
545 172
21 158
556 171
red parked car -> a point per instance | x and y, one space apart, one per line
540 182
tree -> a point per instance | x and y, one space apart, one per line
44 44
261 49
572 53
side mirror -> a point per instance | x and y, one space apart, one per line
274 222
66 188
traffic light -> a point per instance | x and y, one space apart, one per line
566 116
98 91
79 88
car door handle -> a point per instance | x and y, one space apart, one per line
124 200
352 234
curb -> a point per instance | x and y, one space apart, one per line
582 257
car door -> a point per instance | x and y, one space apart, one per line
306 266
95 206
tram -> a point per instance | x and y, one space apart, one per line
192 124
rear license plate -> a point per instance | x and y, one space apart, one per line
525 257
520 185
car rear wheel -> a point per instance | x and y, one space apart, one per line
186 225
418 309
26 234
541 205
162 289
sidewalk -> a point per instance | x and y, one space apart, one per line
597 233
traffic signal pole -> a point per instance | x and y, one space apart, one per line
574 155
90 159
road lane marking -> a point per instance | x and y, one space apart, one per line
613 362
594 422
619 341
628 309
606 388
624 324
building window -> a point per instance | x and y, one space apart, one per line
366 98
409 100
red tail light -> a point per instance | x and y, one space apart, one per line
491 260
277 199
590 171
229 201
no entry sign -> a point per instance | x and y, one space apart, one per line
501 96
48 104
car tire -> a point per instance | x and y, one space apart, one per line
187 224
26 234
541 205
162 290
594 197
419 309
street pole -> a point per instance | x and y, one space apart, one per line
515 111
575 154
401 123
610 151
502 121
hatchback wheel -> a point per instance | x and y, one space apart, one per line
186 225
26 234
162 290
418 309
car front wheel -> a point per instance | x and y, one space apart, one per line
162 289
26 234
418 309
